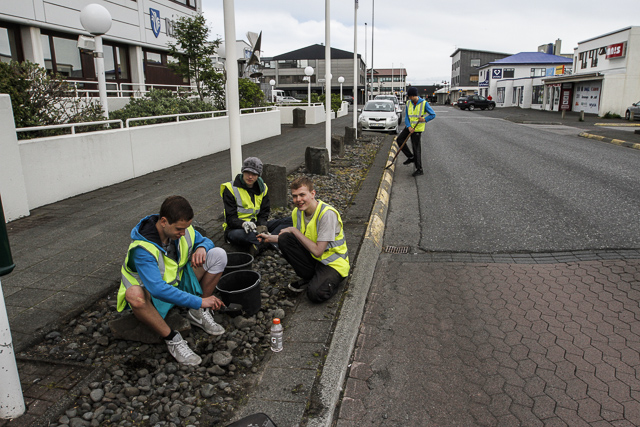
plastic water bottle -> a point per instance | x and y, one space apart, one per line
276 335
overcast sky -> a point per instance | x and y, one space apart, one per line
421 35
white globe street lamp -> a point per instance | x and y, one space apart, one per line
96 19
272 83
340 80
308 71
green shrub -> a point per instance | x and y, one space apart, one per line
335 100
610 115
251 96
161 102
40 99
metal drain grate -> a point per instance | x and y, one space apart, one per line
396 249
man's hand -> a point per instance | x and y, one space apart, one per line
212 302
411 130
267 238
249 226
199 257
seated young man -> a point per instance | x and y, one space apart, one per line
247 208
154 275
315 245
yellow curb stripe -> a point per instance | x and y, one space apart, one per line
621 125
618 142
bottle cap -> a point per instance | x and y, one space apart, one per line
276 321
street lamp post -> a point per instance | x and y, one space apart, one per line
96 19
309 72
272 83
340 80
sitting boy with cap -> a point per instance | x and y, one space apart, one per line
247 209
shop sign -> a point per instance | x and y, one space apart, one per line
615 50
496 73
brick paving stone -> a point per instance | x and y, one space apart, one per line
504 344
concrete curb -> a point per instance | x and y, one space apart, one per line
346 330
620 125
619 142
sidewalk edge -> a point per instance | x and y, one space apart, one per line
346 330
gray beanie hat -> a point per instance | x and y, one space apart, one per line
252 164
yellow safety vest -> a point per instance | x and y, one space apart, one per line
335 255
415 112
170 270
247 210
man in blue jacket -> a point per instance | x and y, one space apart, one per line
156 275
415 120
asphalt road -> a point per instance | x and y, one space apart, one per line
493 186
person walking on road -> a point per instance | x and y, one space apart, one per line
247 208
415 120
315 245
156 275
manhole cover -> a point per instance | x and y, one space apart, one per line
396 249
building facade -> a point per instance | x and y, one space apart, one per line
606 75
46 32
465 73
288 71
388 81
517 80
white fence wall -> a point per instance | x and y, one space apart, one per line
56 168
314 114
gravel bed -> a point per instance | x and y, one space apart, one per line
144 385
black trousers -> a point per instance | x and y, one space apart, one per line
323 280
415 143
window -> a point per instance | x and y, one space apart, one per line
153 58
508 73
593 55
473 79
475 63
537 95
583 60
116 62
538 72
8 45
189 3
62 56
500 95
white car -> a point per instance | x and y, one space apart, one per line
379 115
399 107
289 100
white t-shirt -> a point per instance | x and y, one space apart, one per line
328 226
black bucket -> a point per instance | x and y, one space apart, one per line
238 261
241 287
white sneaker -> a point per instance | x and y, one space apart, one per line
202 318
179 349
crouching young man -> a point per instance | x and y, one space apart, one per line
155 276
315 246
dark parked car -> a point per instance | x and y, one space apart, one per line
635 108
472 102
348 98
